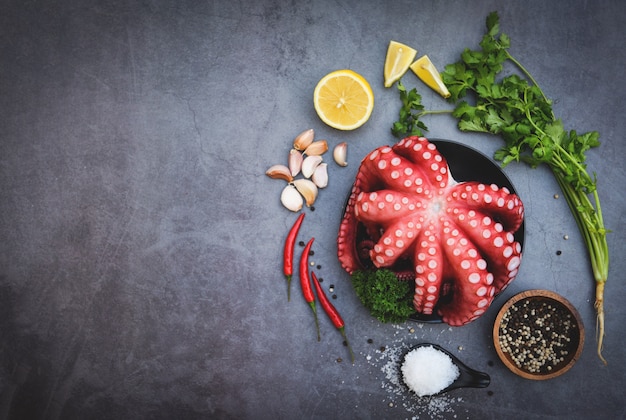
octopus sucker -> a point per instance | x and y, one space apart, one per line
455 240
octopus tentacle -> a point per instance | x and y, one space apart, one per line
395 172
428 159
491 199
397 240
387 204
346 242
498 247
428 271
474 290
347 236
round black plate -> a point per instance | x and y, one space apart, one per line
468 164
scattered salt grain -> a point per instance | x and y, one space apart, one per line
427 371
432 407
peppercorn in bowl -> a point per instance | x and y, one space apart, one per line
538 334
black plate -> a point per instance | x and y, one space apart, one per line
468 164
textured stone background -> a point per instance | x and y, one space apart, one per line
140 268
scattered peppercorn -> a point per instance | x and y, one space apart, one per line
382 348
312 208
301 243
334 296
319 266
370 341
339 360
558 252
311 253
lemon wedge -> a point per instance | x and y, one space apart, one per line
426 71
343 99
399 58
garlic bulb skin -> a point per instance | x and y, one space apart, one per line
309 165
308 189
317 148
304 139
320 176
295 161
291 198
340 153
279 172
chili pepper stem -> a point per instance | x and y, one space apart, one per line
342 330
317 324
288 288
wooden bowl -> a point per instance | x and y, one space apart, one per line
538 334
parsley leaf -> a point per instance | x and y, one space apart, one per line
409 117
387 298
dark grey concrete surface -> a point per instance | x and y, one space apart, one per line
140 252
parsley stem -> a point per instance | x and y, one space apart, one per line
590 225
435 112
529 76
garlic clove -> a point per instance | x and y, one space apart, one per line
317 148
320 176
308 189
295 161
304 139
279 172
309 164
340 154
291 198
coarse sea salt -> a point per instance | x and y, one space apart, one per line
427 371
432 407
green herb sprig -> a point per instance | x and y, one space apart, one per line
412 110
388 299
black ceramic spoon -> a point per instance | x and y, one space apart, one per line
468 377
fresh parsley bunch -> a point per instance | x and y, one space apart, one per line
387 298
515 108
409 119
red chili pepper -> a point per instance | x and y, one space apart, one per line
331 311
290 244
305 282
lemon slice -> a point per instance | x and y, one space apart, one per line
343 99
426 71
399 58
